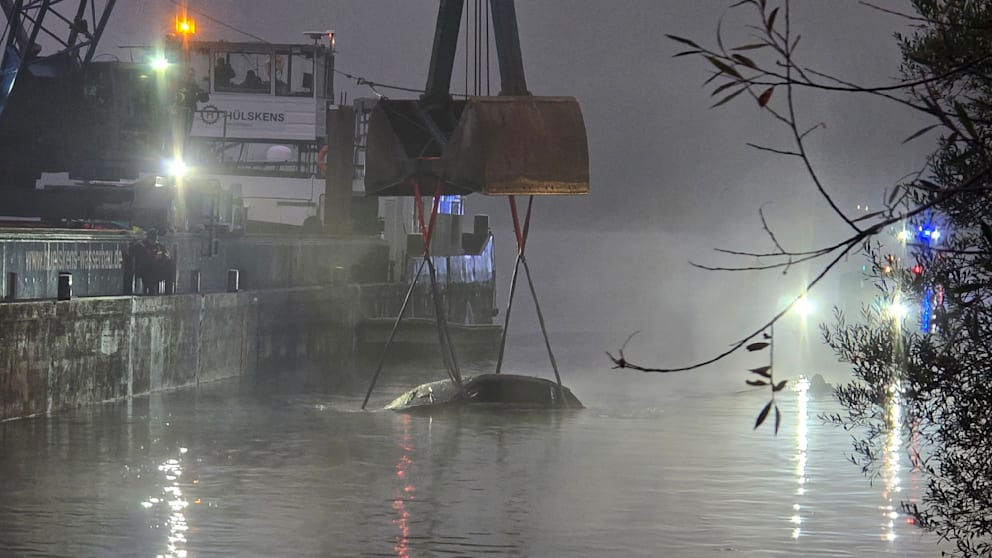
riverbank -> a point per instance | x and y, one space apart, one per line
56 355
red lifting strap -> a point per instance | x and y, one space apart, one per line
521 234
426 232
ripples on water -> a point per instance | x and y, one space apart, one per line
655 466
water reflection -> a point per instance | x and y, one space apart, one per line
171 497
405 490
891 467
802 453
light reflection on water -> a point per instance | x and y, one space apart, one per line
654 466
802 444
404 490
171 497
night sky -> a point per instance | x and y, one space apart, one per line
671 179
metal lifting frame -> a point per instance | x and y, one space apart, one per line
440 316
521 235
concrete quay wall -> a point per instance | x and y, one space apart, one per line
58 355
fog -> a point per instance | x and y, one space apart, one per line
671 179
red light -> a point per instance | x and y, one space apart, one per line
918 269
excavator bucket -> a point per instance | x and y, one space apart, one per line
505 145
405 142
519 145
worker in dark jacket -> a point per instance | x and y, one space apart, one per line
152 263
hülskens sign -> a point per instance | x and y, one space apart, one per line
247 116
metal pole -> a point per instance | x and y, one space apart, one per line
447 350
506 317
392 333
540 319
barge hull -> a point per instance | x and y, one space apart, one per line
56 355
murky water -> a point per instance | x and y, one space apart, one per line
655 466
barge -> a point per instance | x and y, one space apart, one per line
278 257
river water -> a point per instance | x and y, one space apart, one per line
654 466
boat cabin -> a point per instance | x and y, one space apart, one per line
261 91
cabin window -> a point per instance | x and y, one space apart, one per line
199 62
451 205
243 72
294 74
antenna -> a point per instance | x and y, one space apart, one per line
315 36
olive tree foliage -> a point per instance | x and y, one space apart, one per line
929 386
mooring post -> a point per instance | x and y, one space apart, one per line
233 280
65 286
11 291
194 281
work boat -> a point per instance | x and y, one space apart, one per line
511 144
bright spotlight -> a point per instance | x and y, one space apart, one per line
897 310
160 63
804 306
177 168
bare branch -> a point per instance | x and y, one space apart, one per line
773 150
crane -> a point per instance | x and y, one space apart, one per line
27 22
511 144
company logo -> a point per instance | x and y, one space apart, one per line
210 115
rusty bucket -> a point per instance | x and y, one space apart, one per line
526 145
505 145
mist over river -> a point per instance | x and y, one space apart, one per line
288 465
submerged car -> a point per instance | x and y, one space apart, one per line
487 389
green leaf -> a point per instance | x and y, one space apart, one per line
745 60
780 386
762 415
965 119
778 419
756 382
723 67
683 40
686 53
729 97
723 87
770 24
751 46
919 133
762 371
757 346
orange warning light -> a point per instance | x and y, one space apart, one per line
185 25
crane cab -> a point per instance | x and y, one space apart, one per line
252 119
261 91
